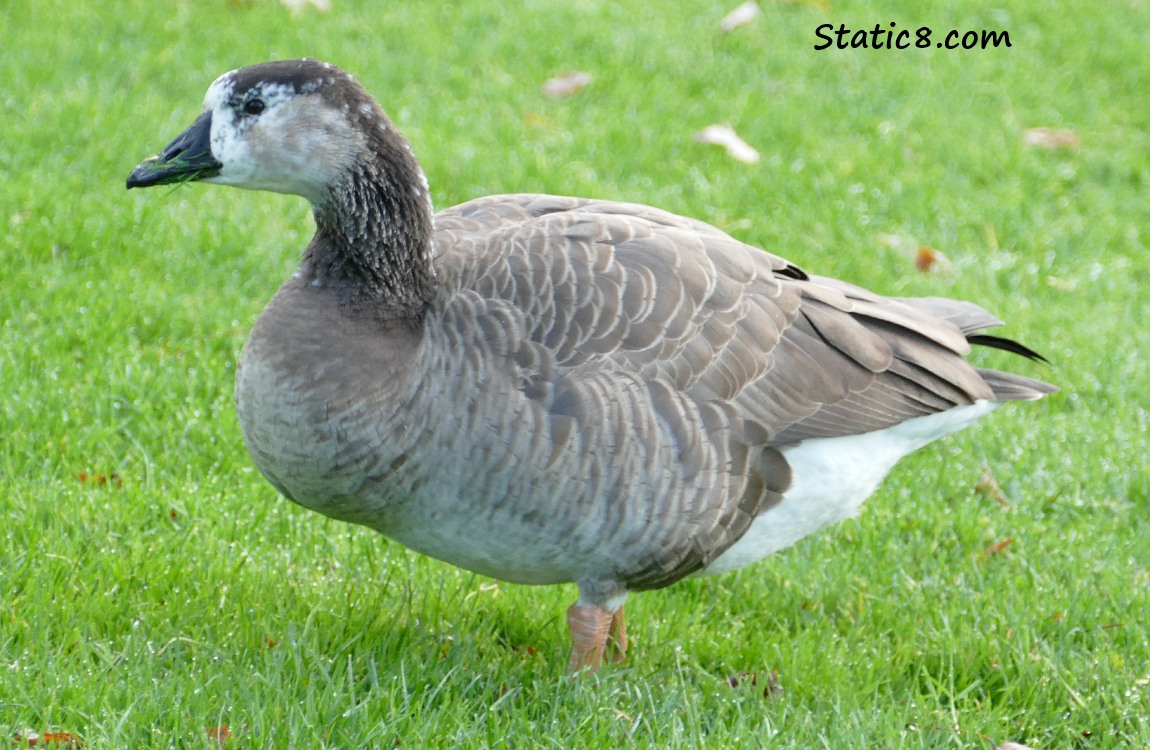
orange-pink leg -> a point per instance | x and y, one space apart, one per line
593 629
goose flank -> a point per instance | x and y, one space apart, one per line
547 389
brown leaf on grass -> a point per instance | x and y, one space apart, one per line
772 688
987 486
740 677
32 738
1050 138
740 16
100 480
927 259
725 136
566 84
220 734
997 548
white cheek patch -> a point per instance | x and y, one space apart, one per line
296 145
229 146
231 141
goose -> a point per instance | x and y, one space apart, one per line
548 389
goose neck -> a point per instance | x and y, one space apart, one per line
374 235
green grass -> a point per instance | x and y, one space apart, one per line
182 594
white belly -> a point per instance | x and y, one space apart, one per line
833 476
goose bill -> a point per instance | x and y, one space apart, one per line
187 158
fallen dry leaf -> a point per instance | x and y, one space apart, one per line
998 547
220 734
740 677
100 479
1050 138
772 688
725 136
927 259
32 738
1011 746
740 16
987 486
566 84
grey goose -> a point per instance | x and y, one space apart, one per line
547 389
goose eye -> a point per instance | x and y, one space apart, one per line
254 107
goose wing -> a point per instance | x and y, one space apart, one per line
643 328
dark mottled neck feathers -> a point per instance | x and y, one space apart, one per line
373 233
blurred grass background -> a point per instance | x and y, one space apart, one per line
153 588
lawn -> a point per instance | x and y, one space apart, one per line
155 592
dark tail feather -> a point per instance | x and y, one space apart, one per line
970 319
1006 345
1006 385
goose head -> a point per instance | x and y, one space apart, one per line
308 128
292 126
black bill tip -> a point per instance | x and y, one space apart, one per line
186 159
